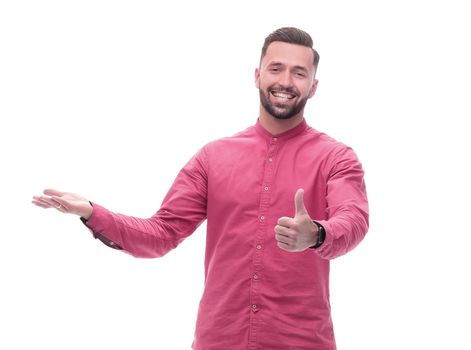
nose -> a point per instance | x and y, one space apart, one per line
285 78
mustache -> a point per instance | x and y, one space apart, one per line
287 89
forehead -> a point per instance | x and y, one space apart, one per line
289 54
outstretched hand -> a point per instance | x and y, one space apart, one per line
65 202
299 232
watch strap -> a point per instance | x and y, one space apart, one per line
320 235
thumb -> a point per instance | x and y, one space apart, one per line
52 192
299 202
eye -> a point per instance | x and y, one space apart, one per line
300 74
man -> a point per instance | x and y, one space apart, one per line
281 200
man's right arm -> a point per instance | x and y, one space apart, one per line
182 211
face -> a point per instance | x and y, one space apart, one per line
285 79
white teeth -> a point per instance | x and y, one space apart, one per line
282 95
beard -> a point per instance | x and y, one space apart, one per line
279 110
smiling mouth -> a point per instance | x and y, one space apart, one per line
284 95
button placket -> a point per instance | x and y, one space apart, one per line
256 304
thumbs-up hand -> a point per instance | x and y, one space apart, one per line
299 232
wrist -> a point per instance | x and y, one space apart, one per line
320 235
87 211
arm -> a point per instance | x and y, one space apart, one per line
347 213
347 206
182 211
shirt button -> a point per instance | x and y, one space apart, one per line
270 159
254 306
262 217
275 139
255 277
259 246
266 188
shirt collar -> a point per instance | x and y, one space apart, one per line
298 129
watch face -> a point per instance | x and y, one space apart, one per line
322 234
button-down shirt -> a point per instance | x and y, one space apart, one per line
256 295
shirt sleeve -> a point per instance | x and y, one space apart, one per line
182 211
347 206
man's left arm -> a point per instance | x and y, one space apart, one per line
347 206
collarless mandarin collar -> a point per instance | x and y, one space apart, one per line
298 129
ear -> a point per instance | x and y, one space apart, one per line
313 89
257 78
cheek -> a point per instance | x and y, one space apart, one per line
306 89
264 83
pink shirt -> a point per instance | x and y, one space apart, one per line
256 295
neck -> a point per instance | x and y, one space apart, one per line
278 126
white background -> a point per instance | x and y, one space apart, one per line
110 99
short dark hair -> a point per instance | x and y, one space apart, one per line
291 35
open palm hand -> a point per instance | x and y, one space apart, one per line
65 202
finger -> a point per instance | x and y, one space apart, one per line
299 202
285 221
46 201
282 239
52 192
39 204
284 246
52 203
62 209
283 231
62 204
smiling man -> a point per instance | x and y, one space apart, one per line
281 199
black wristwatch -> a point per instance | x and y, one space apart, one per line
320 236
